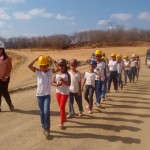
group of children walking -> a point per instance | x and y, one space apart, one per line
69 82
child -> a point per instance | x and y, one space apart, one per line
138 67
92 56
43 89
62 82
99 82
89 82
133 66
127 70
120 69
75 89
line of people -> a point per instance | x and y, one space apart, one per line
69 83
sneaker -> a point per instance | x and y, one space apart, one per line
11 108
97 104
69 116
102 99
46 133
80 114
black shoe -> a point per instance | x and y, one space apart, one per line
11 108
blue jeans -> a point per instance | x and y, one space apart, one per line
127 74
98 90
133 73
71 102
44 105
104 89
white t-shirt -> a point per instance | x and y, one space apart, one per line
100 69
90 78
127 64
43 82
112 65
75 79
133 63
120 67
63 89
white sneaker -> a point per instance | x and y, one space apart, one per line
97 104
80 114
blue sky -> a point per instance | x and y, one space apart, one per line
48 17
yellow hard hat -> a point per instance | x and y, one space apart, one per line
43 60
98 52
104 58
113 55
125 56
118 56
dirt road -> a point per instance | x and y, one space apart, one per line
122 125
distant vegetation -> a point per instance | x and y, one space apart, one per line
92 38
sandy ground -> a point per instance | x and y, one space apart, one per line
122 125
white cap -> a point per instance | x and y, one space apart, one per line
2 45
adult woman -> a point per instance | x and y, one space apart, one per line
113 73
5 69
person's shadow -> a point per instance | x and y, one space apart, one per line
34 112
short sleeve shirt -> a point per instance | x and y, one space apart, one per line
75 80
90 78
63 89
100 69
43 82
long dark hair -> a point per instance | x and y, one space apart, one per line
4 54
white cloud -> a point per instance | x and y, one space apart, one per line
31 13
4 15
60 17
36 12
144 16
12 1
4 25
22 16
121 16
104 23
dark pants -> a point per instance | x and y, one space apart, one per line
71 102
88 95
133 73
4 92
120 82
127 73
113 76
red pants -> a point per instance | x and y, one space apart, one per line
62 100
